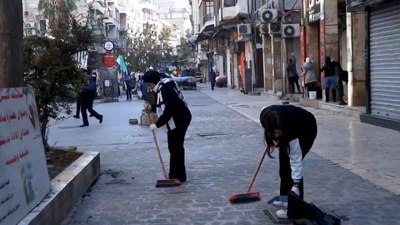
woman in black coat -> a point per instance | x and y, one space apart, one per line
292 130
175 115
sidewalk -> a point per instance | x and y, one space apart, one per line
369 151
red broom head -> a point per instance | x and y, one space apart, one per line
168 183
245 198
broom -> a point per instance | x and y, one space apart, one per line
249 196
167 182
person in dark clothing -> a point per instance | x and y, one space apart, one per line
330 80
293 75
129 87
341 76
175 116
292 130
212 77
88 96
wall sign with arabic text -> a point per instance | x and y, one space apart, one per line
24 179
314 10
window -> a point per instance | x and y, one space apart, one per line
229 3
208 11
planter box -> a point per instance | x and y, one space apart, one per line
67 189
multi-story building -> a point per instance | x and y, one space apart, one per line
175 12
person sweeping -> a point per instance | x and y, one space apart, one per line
175 115
292 130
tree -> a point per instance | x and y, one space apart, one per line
149 48
11 32
186 52
51 69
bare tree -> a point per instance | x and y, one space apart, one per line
11 32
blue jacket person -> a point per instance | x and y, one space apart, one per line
175 115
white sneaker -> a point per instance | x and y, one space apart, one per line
282 213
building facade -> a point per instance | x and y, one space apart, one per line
375 49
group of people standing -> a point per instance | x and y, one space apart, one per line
333 79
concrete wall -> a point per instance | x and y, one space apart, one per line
267 55
276 64
356 34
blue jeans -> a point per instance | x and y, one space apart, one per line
330 82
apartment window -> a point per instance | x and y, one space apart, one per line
229 3
208 11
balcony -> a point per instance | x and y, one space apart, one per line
208 22
232 12
111 21
99 7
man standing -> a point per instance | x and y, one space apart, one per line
292 74
213 75
175 115
88 95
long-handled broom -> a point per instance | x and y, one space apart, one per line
167 182
249 196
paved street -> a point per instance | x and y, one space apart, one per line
223 146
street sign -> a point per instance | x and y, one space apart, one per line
108 46
109 60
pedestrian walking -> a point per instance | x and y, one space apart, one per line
128 87
212 77
309 77
292 75
175 115
330 80
292 130
88 96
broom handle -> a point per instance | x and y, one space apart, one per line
158 148
258 169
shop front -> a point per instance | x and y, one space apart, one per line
382 62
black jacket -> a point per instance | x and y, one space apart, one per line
175 112
295 122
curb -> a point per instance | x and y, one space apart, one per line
67 189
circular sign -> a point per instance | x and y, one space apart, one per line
108 46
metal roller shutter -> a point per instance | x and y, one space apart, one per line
384 46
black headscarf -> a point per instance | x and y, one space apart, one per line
151 76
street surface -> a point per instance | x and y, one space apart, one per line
351 170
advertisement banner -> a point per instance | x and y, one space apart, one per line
24 179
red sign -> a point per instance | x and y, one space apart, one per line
109 60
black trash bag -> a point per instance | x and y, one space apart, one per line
299 209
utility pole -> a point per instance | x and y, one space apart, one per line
11 52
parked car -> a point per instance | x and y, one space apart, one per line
186 82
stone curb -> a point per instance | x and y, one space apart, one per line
67 189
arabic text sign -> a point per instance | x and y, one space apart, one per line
24 180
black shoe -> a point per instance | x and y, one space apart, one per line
75 116
342 103
91 115
101 119
84 125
